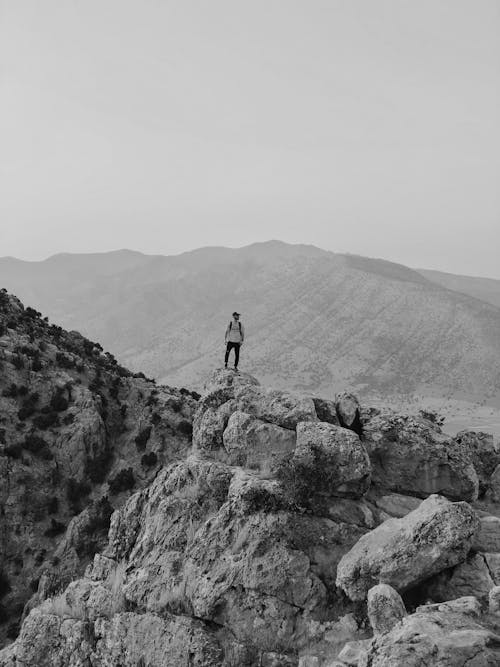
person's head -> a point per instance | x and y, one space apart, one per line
236 316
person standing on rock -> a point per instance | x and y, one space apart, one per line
235 335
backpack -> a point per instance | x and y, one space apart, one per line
231 325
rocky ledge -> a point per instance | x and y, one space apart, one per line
297 531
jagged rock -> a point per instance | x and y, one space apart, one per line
385 608
437 638
487 537
493 492
328 460
353 652
208 429
410 455
468 605
484 453
348 410
493 563
250 441
472 577
326 411
275 406
224 377
397 505
404 552
494 600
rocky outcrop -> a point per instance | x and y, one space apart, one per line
410 455
484 454
78 433
439 637
404 552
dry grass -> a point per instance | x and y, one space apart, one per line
115 582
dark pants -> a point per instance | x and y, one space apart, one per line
229 347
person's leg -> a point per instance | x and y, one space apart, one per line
236 354
228 350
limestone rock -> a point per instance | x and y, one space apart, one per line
493 563
437 638
397 505
275 406
250 441
468 605
348 410
411 456
328 460
487 537
484 453
353 652
404 552
326 411
472 577
385 608
225 377
494 600
493 492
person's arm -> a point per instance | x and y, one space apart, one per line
227 333
242 333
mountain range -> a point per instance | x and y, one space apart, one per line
315 320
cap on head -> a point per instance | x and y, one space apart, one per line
235 314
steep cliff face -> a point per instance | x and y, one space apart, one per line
266 546
78 435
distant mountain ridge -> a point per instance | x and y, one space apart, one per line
315 320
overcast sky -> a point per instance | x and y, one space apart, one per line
363 126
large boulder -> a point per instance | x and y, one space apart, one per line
441 638
404 552
275 406
411 456
484 453
385 608
251 442
328 460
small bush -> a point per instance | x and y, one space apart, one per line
64 361
18 362
38 446
56 528
45 421
53 505
142 438
14 451
10 392
149 459
185 427
75 493
58 403
123 481
4 584
36 365
97 468
156 418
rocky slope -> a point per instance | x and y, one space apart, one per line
78 434
314 319
298 531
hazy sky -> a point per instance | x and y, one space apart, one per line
364 126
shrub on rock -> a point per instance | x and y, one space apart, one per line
328 460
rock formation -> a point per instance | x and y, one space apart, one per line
288 531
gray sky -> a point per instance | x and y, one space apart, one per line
364 126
